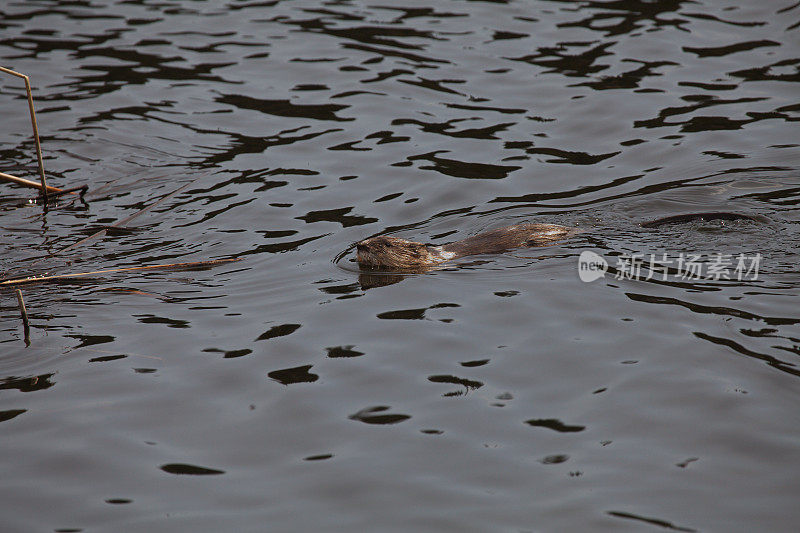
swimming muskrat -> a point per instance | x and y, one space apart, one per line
390 252
393 253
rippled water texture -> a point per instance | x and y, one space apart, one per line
291 392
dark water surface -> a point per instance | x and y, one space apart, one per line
289 392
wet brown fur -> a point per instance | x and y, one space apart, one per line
391 252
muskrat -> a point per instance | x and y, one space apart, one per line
391 252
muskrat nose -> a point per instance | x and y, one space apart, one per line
360 246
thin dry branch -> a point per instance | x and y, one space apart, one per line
24 314
29 183
37 279
35 128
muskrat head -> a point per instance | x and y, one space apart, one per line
391 252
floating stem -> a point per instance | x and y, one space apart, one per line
36 279
27 183
24 313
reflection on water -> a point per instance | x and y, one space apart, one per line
500 392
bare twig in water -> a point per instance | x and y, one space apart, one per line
28 183
80 190
24 313
37 279
35 128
